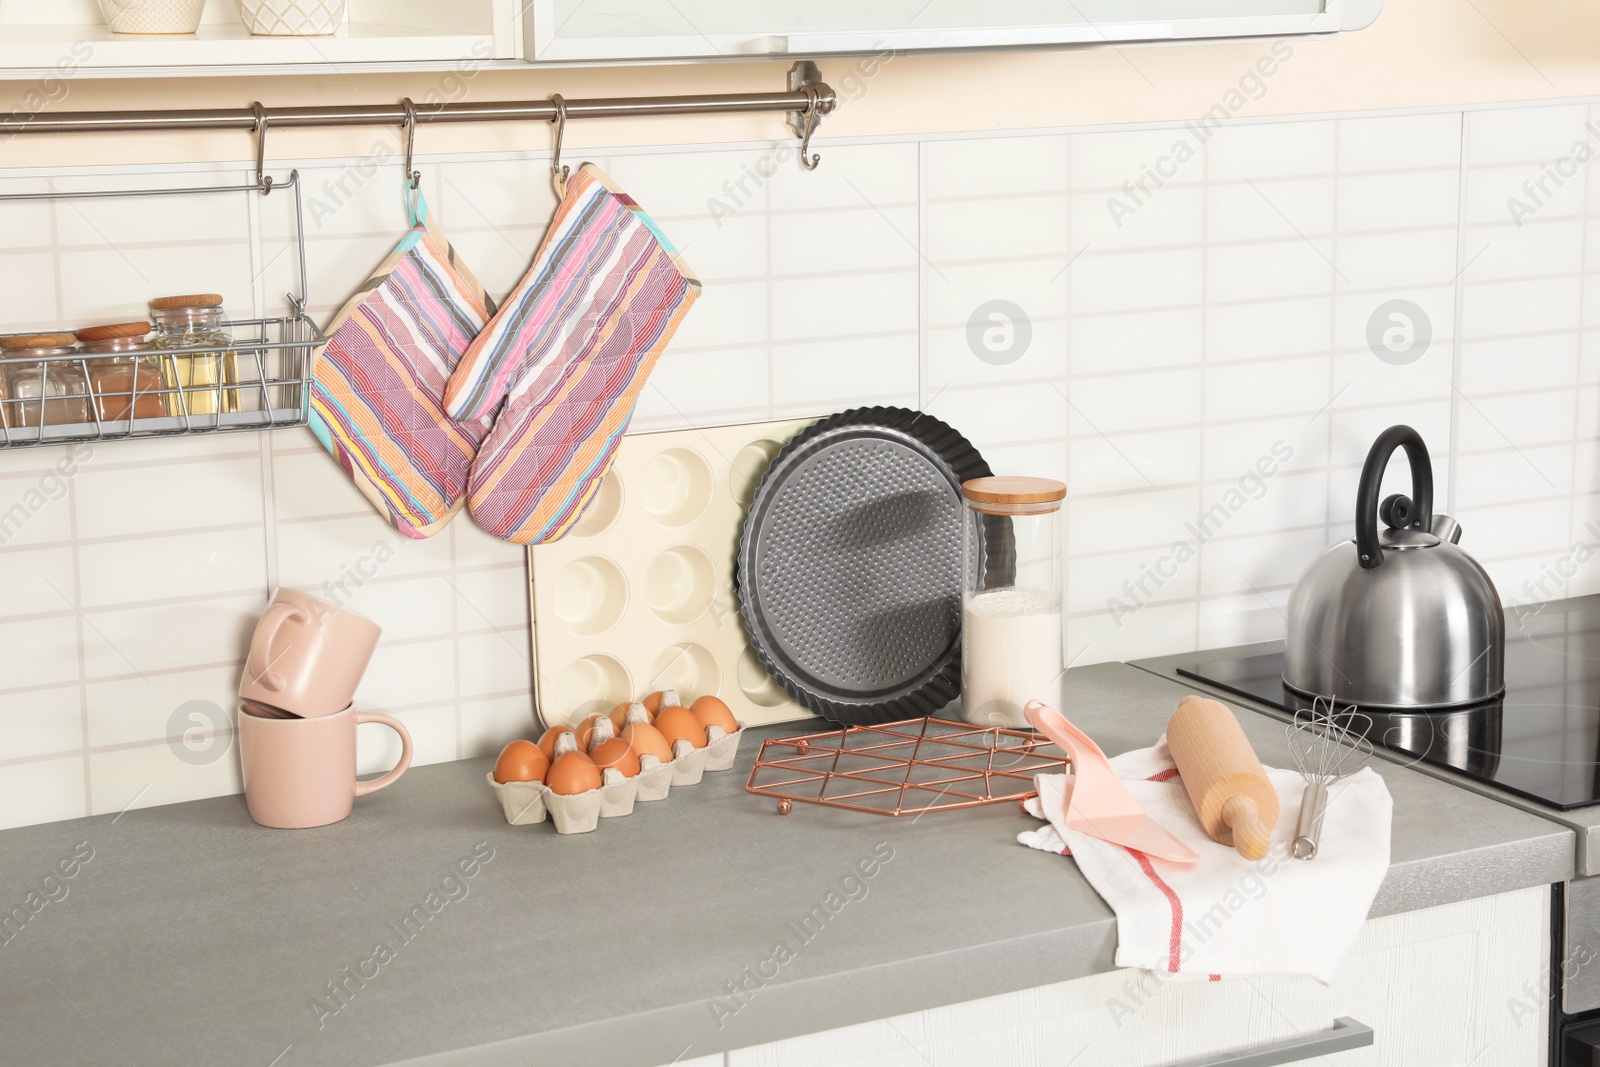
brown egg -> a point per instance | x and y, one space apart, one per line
654 701
619 716
584 731
646 740
709 711
572 772
615 752
679 724
521 761
547 740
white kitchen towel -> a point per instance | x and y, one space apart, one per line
1226 916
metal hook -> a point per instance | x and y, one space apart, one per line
263 179
410 124
812 118
804 77
558 173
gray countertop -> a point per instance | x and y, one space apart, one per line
194 936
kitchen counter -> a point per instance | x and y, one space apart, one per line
189 935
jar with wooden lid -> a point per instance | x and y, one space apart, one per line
126 383
1013 559
42 391
199 384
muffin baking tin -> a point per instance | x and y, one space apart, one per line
638 596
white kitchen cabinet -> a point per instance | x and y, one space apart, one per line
633 30
1441 987
68 38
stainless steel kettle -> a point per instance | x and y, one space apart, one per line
1397 618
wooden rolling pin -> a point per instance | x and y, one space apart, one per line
1236 803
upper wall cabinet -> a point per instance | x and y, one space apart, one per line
70 38
634 30
59 39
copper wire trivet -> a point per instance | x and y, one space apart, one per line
904 768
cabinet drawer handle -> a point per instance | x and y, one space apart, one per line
1346 1034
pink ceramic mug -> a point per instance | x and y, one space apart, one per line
307 655
302 772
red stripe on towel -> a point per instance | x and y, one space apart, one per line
1163 776
1175 940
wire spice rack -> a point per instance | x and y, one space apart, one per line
261 381
904 768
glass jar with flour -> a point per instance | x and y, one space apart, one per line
1012 564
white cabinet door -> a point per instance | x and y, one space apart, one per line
70 38
1442 987
598 30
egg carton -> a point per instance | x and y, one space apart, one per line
530 803
638 596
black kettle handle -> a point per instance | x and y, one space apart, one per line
1367 547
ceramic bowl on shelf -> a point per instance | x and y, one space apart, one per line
292 18
152 16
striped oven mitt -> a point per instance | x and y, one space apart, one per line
377 398
564 359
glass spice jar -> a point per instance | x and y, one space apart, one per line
44 392
198 383
126 384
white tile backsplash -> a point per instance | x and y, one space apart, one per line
1197 314
996 227
881 174
1271 149
1524 134
147 775
1270 209
1267 329
40 723
42 791
145 709
1394 142
1269 270
847 239
1404 200
998 166
831 375
1142 281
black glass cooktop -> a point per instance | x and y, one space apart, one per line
1542 741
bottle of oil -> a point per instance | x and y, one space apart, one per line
205 383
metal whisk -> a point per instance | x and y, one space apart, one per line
1324 750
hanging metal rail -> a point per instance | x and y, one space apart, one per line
261 379
806 101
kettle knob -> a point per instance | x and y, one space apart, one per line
1397 511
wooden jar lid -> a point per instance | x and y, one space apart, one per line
1013 490
193 300
39 340
90 334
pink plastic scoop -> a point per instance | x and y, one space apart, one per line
1098 803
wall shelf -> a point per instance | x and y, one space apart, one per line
40 38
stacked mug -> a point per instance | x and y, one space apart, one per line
297 719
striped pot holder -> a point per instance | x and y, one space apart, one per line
564 359
377 399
